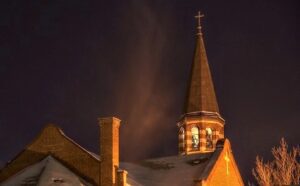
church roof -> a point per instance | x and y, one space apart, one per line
200 93
48 171
52 141
172 170
42 164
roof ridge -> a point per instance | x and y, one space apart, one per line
79 146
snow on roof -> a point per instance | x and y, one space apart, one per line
172 170
47 172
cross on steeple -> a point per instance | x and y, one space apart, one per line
199 22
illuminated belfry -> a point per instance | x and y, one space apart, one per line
201 125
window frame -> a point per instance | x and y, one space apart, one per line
195 135
209 138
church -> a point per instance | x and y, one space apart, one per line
204 153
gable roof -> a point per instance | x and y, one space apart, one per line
46 172
225 169
53 141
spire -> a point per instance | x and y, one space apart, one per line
200 94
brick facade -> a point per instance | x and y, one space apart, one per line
202 122
225 171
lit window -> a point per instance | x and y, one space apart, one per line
209 140
195 138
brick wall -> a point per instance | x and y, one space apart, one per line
225 172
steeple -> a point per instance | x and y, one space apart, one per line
200 93
201 125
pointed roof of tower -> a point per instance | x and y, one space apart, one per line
200 94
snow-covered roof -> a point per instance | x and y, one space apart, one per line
173 170
52 141
40 164
47 172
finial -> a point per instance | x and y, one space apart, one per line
199 22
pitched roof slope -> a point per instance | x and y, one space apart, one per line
172 170
52 141
200 93
190 169
48 171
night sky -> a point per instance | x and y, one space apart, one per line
70 62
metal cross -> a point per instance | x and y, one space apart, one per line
199 22
226 158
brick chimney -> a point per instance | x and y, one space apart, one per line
121 177
109 150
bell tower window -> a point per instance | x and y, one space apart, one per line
195 138
209 138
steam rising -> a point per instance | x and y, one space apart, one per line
143 93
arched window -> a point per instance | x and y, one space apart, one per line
209 138
195 138
181 139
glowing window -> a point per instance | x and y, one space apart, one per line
195 138
209 138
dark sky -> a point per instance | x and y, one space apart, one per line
69 62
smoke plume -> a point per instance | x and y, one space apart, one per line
143 97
